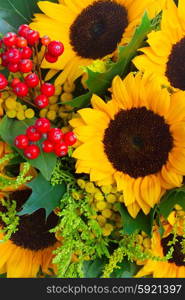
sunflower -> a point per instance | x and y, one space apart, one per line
174 267
30 248
89 29
166 51
136 140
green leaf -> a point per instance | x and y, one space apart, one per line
130 225
10 128
16 12
170 199
81 101
127 269
98 82
44 195
16 160
93 268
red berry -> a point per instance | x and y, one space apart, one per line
3 81
20 89
25 65
9 39
14 82
47 146
48 89
26 52
32 134
45 40
41 101
32 152
70 138
55 135
50 58
13 55
23 30
21 42
21 141
61 149
32 80
55 48
13 67
43 125
32 37
4 58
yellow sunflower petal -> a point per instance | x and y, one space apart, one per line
50 74
154 39
96 175
120 93
169 176
177 160
181 12
153 56
92 116
137 191
162 270
151 190
99 104
133 209
161 103
143 63
77 122
81 168
56 11
181 272
126 184
6 251
177 107
106 181
178 133
146 270
84 133
90 151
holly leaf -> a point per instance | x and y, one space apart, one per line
81 101
98 82
16 12
130 225
93 268
127 269
170 199
44 195
10 128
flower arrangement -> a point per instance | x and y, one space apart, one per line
92 139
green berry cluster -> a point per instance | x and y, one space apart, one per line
103 200
57 108
10 106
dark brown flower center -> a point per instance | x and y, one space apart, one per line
177 256
137 142
99 28
33 230
175 70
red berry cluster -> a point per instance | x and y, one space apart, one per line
55 140
17 53
47 90
54 50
